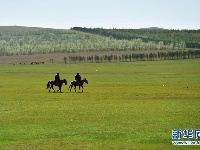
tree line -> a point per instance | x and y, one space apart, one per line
189 37
153 56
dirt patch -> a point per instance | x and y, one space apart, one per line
57 58
165 73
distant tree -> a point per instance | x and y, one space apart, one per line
130 57
65 59
126 57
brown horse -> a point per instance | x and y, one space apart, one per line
51 83
74 83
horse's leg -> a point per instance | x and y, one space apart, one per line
79 88
53 88
75 88
82 88
70 87
60 89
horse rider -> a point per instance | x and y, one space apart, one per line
78 78
57 79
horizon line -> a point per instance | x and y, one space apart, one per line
151 28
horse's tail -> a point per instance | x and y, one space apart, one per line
48 84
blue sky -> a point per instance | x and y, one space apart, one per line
64 14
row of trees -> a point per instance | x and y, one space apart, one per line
173 55
28 41
189 37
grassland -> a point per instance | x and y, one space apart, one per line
124 106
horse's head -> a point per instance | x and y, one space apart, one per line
65 81
85 80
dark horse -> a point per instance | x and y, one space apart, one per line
51 83
74 83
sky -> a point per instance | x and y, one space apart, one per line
134 14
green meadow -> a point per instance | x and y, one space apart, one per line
127 105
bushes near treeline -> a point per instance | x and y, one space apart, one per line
173 55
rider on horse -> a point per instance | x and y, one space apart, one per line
78 78
57 79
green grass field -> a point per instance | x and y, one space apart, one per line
124 106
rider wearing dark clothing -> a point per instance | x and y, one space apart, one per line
78 78
57 78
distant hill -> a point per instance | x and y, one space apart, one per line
153 28
17 40
188 37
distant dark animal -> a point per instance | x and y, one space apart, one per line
79 84
51 83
